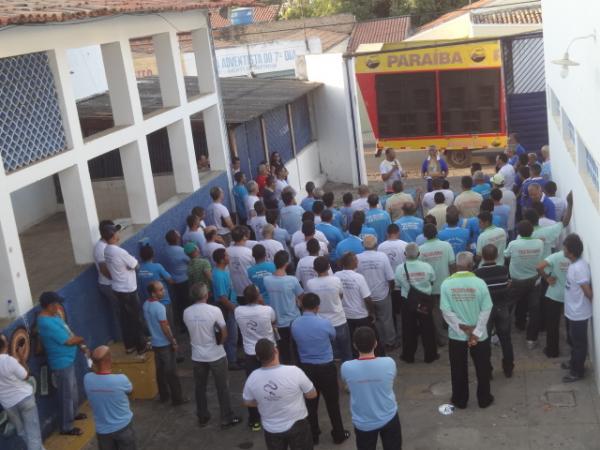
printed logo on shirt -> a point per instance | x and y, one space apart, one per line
432 255
270 388
252 325
463 294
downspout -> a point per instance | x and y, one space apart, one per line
357 150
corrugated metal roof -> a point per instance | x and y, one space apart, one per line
259 14
380 31
17 12
243 98
528 15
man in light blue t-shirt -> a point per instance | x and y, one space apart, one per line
285 294
107 394
373 404
410 225
377 218
164 345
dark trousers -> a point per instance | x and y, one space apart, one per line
396 311
123 439
167 380
324 378
579 345
298 437
250 365
132 322
113 305
542 291
180 301
526 296
553 311
459 371
288 353
413 325
391 436
500 318
219 372
353 324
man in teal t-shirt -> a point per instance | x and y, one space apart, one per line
554 270
549 234
421 276
525 254
491 234
440 255
466 304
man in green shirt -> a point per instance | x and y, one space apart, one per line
466 305
440 255
421 276
491 234
553 269
525 254
199 269
549 234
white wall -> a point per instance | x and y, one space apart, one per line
305 167
34 203
333 104
579 95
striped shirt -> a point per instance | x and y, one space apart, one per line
497 279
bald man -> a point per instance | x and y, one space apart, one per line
107 394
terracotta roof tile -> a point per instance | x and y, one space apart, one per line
529 15
453 15
259 14
385 31
17 12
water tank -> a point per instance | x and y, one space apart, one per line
241 16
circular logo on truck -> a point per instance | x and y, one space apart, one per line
373 62
478 55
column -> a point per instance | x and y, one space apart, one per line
172 87
201 41
216 138
139 182
80 208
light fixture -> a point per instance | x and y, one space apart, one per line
565 62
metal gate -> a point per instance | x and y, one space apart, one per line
525 84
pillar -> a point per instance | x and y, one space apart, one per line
139 182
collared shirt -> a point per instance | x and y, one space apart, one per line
290 218
440 256
107 394
395 202
377 270
155 313
313 335
525 254
352 244
549 210
177 262
468 298
410 227
468 203
330 292
283 291
525 200
422 277
495 236
558 266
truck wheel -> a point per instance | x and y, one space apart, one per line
459 158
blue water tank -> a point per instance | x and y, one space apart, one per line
241 16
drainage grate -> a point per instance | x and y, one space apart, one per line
562 399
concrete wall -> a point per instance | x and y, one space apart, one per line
579 96
457 28
479 31
87 313
305 167
34 203
337 130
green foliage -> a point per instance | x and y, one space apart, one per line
423 11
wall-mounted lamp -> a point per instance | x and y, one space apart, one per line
565 62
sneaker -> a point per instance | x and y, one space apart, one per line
487 403
232 423
256 426
570 378
531 345
344 438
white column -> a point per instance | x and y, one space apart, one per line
13 275
172 87
203 53
139 182
80 207
216 138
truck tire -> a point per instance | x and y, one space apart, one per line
459 158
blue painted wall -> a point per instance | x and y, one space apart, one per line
87 313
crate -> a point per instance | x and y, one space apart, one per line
140 370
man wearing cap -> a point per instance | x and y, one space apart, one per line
107 394
61 346
122 266
508 198
164 346
104 281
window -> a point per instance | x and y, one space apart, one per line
406 105
470 101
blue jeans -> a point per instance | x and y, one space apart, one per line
342 345
232 338
577 330
68 396
24 416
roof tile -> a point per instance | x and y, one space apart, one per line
529 15
384 31
259 14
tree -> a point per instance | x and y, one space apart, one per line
424 11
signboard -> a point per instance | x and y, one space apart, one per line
460 56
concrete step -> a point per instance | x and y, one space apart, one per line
57 441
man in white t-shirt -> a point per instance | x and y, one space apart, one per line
252 198
255 321
240 260
390 170
17 397
271 245
218 215
211 245
305 268
330 292
361 203
506 170
309 232
377 270
205 323
578 306
122 268
279 392
299 236
104 281
428 201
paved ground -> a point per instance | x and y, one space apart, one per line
533 410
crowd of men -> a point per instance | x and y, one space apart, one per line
308 286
